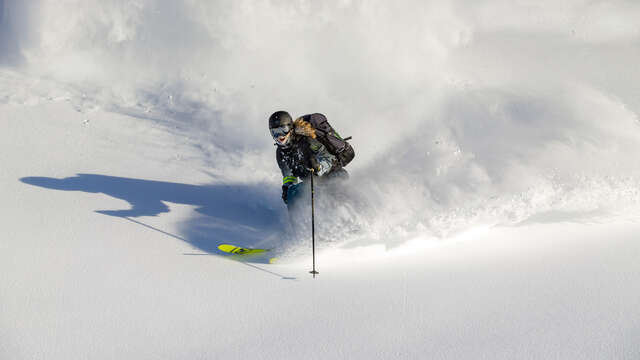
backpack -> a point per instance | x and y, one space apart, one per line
330 138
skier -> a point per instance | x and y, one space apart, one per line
301 151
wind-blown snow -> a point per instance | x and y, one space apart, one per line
465 116
461 112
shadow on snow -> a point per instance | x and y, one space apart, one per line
243 215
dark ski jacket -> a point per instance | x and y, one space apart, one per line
302 153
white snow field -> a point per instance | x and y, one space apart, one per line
492 210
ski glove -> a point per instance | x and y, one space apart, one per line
285 191
324 166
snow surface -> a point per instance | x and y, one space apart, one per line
493 200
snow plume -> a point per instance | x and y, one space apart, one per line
462 112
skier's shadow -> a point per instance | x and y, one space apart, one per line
239 214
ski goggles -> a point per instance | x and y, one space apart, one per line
280 131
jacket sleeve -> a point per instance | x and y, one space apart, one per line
322 156
287 173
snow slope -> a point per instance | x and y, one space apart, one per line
495 188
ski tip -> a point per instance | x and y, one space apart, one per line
232 249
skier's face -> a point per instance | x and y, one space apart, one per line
282 135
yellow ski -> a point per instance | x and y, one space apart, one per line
237 250
240 250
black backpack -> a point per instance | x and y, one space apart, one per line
330 138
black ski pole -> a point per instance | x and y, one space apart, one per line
313 231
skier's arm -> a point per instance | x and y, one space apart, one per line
325 162
288 178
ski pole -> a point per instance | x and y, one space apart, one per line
313 231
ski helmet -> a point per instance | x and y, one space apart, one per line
280 125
